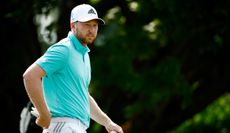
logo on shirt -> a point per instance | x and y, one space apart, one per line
91 11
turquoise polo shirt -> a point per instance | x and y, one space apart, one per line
68 74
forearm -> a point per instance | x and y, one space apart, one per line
33 85
35 93
97 114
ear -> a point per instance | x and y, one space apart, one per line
72 25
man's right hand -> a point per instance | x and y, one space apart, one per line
43 121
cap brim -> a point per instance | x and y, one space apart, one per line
101 21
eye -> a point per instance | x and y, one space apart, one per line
86 24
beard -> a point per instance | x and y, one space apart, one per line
86 39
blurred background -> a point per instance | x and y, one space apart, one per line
158 66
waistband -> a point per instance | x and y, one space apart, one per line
68 120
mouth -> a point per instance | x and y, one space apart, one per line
90 38
90 35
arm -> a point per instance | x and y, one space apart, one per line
33 85
100 117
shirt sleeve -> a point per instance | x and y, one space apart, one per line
54 58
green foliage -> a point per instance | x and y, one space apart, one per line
125 59
143 62
215 118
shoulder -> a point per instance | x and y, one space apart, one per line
62 46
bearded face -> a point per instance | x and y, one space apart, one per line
86 32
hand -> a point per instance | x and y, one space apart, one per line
113 127
43 120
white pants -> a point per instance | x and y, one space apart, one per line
65 125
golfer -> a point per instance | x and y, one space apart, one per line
57 82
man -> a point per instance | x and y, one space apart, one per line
61 98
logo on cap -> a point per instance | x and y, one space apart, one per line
91 11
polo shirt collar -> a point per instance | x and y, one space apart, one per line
77 44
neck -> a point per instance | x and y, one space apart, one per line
83 44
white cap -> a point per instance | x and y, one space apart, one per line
84 13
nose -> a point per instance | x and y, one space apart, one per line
92 29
